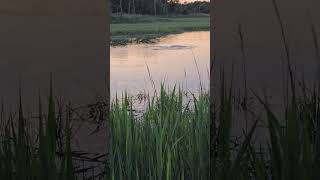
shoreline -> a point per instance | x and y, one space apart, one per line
148 29
148 39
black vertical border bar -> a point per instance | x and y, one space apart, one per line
258 18
109 144
211 110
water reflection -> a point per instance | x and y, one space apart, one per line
174 59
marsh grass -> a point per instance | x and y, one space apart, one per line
171 138
21 159
146 29
169 141
291 149
46 155
137 18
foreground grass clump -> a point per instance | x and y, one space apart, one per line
40 145
289 148
169 140
34 158
143 28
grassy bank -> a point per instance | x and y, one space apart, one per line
170 140
138 28
25 156
38 145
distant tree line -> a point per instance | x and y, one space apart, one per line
158 7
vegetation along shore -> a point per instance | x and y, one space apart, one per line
145 20
145 28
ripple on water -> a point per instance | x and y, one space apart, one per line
171 47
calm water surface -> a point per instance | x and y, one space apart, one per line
173 59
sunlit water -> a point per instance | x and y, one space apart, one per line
181 59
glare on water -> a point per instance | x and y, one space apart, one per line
174 59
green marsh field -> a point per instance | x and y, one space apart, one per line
142 28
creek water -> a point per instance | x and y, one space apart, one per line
177 59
